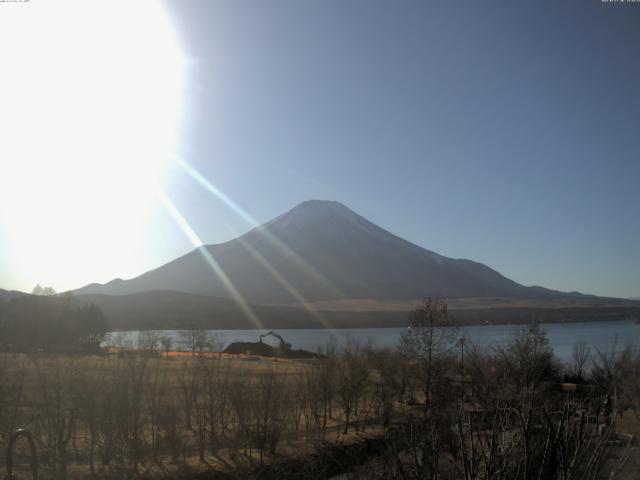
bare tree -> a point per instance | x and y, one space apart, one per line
149 341
167 342
11 396
195 340
430 343
353 373
388 384
122 340
269 412
581 355
320 385
192 384
56 413
218 342
43 291
528 362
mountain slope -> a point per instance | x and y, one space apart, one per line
326 252
9 294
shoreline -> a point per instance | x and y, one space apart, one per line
390 324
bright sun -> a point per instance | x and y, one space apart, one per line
90 97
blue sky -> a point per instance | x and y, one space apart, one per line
504 132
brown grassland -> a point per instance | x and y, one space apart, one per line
436 407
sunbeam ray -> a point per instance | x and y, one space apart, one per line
255 224
286 285
271 238
215 266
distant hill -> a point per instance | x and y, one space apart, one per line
325 251
176 310
9 294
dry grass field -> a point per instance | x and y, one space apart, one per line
151 414
131 414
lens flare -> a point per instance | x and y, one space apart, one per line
272 239
90 107
254 223
215 266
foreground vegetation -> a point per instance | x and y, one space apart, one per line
45 322
435 407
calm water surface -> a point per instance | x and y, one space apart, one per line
562 336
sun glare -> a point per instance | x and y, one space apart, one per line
90 100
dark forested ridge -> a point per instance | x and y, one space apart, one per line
175 310
41 322
50 323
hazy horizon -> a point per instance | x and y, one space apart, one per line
501 133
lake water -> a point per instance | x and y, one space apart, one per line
562 336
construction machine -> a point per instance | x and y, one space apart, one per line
283 344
